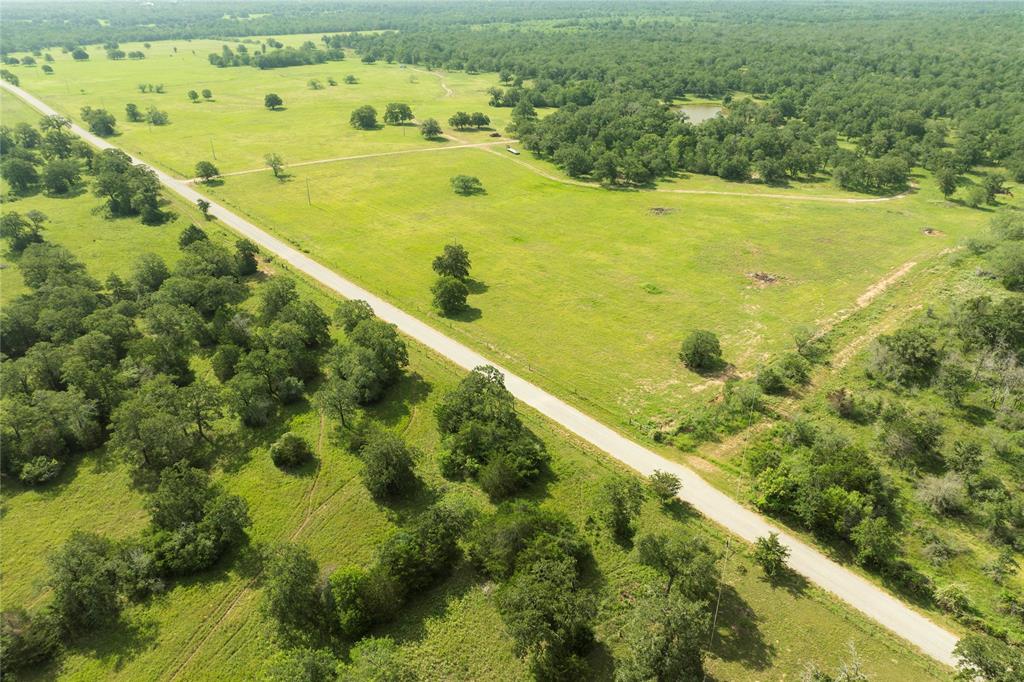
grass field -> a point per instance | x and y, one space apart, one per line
235 128
209 628
586 291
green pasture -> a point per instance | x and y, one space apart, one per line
587 291
235 130
209 628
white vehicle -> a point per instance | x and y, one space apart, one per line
512 150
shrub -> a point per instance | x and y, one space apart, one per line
953 599
348 587
701 350
224 361
290 594
770 554
27 640
39 470
909 438
290 451
944 495
190 235
387 464
908 357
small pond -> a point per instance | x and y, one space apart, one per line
698 113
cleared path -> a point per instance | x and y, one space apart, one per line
855 590
400 152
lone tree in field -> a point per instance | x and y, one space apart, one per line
207 93
771 555
453 262
397 113
430 129
275 162
701 350
206 170
272 101
466 185
204 207
364 118
132 113
449 295
193 95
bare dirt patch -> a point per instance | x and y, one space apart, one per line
932 232
764 279
876 289
660 210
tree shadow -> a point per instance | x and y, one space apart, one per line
407 506
720 370
600 662
976 415
476 287
213 182
467 314
433 603
52 489
235 449
397 404
788 580
304 470
680 511
75 191
738 637
120 643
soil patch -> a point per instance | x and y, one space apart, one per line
660 210
932 232
764 279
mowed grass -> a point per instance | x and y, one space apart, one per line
235 130
587 291
209 627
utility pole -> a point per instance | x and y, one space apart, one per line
718 602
